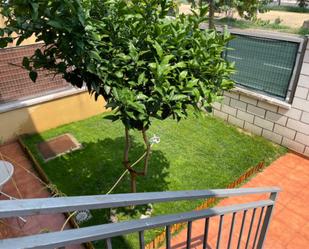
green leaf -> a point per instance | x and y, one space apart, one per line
26 63
119 74
183 75
33 75
95 55
55 24
141 78
35 10
158 49
180 64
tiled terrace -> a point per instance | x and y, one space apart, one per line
28 187
289 226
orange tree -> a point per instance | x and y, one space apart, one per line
145 64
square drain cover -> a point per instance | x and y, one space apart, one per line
58 146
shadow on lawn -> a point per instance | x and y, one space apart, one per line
96 167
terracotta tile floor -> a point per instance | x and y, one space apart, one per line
289 226
29 187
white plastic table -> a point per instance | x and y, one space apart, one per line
6 172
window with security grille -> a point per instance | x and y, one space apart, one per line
262 64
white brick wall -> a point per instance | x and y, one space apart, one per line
286 126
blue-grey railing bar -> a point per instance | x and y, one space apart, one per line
205 237
105 231
13 208
267 218
250 228
258 227
231 231
168 237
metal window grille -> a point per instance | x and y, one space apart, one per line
263 64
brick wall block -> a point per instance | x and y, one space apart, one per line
298 126
220 114
232 95
298 147
305 117
301 92
253 128
256 111
216 105
305 69
306 57
238 104
284 131
245 116
272 136
267 106
264 123
291 113
236 121
301 104
302 138
226 100
276 118
249 100
303 81
229 110
307 151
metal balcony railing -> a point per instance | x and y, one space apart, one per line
16 208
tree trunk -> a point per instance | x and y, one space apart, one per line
211 14
133 182
128 165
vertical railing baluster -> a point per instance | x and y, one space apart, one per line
242 228
168 237
250 228
258 228
141 240
231 232
189 229
109 243
267 218
206 229
220 231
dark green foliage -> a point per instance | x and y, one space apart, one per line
302 3
289 9
143 63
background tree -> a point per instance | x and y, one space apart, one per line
247 9
302 3
143 63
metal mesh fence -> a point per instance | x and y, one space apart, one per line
263 64
15 83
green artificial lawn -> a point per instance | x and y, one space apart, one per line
198 153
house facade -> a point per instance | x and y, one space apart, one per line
283 119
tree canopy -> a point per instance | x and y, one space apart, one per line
144 63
